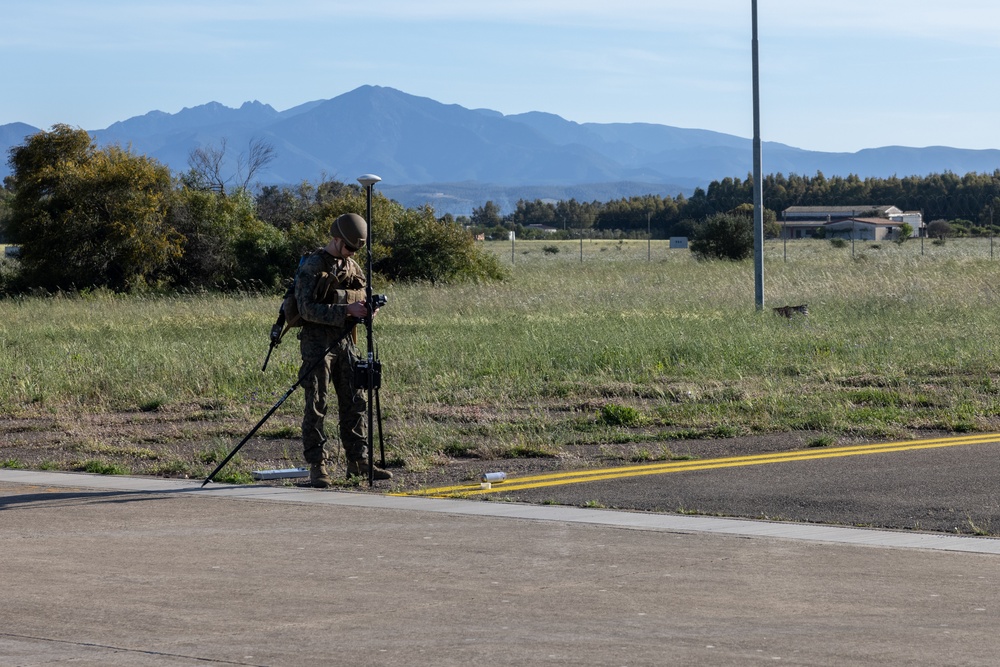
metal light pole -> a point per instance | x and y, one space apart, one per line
368 182
758 181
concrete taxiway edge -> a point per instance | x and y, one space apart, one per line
631 520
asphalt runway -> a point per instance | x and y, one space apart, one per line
122 571
949 485
119 571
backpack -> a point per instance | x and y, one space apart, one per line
350 279
288 312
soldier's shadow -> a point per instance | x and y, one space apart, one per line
79 497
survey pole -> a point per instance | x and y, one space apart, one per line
368 182
758 180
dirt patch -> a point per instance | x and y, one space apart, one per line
188 443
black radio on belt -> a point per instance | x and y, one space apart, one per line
362 371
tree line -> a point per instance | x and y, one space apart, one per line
967 203
85 218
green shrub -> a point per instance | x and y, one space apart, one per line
422 247
621 415
86 217
821 441
234 477
103 468
724 236
225 244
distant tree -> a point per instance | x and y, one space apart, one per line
225 244
905 232
259 154
534 212
771 227
328 191
698 206
723 236
939 229
487 215
209 165
961 227
86 217
571 214
729 193
5 202
206 164
990 214
627 214
284 207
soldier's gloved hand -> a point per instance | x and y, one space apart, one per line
358 310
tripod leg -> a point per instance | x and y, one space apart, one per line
272 410
378 413
371 452
249 435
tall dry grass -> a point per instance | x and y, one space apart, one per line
895 341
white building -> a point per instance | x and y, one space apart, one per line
869 222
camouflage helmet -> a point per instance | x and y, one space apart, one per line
352 228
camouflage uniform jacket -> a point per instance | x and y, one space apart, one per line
324 285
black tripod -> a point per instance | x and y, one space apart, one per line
277 405
368 374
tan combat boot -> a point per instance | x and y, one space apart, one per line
319 477
360 469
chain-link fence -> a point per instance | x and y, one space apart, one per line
519 252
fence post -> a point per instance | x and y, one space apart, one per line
649 240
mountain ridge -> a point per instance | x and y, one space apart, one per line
420 146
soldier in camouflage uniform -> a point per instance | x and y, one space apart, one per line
330 294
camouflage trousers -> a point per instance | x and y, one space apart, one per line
335 367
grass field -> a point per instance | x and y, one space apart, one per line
622 354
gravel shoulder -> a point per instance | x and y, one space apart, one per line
188 442
948 490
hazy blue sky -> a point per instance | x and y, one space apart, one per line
838 75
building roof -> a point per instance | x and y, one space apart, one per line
879 222
884 222
804 223
841 210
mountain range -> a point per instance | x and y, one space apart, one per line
457 158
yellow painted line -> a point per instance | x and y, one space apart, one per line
600 474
